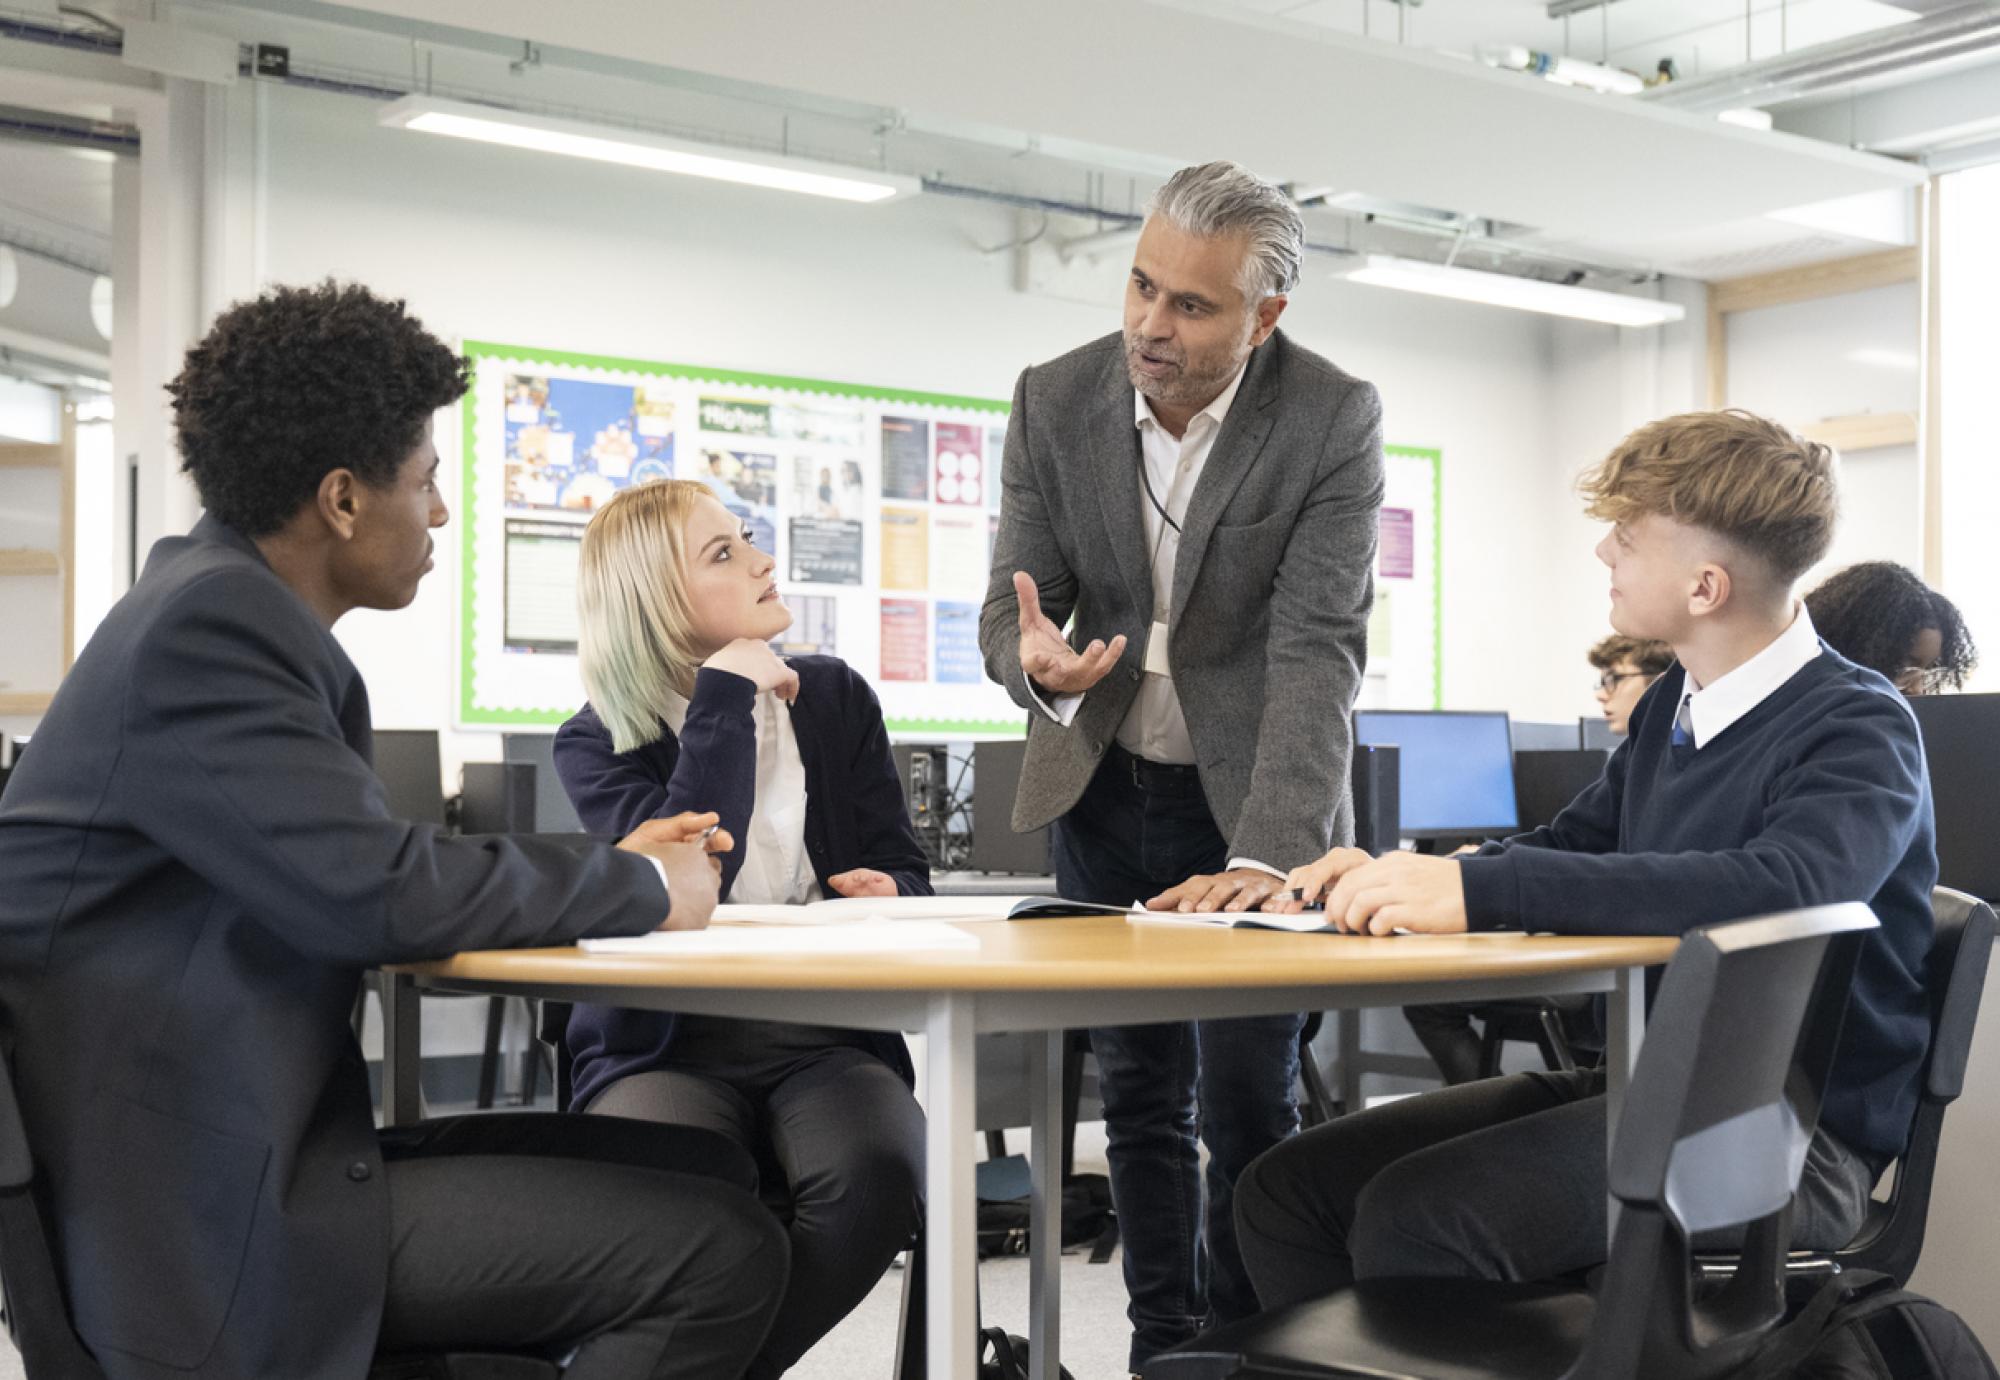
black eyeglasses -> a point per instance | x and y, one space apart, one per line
1610 679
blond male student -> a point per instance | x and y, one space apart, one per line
1762 773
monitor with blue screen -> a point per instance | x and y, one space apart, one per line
1457 770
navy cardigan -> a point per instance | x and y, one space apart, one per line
855 817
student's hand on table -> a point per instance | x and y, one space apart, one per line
863 881
1307 884
758 664
1400 891
1047 658
1241 888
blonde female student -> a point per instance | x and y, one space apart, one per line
690 709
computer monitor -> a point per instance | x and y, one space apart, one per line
1542 737
1962 746
996 776
1546 782
1456 770
406 761
553 812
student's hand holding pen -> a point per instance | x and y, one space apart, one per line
1306 886
685 846
1397 891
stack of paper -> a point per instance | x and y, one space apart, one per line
789 939
957 909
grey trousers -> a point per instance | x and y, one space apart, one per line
841 1143
1502 1179
547 1234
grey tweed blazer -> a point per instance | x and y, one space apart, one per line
1271 589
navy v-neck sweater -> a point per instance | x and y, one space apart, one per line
1819 794
855 817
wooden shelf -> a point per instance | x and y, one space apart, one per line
25 702
1863 431
28 561
24 457
1802 284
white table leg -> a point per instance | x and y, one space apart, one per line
1625 1019
951 1228
1045 1152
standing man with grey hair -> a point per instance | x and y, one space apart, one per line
1200 494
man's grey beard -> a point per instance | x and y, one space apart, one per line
1184 389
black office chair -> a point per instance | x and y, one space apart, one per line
37 1316
1892 1236
1540 1021
1317 1103
1742 1035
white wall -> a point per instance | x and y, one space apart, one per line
505 246
1833 357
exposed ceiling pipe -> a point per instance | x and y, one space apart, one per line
1958 32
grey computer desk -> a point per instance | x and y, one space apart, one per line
1042 976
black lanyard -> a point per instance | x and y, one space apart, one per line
1147 481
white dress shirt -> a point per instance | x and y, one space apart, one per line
1706 710
776 869
1154 727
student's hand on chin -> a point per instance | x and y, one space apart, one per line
863 881
1242 888
1307 884
1400 891
758 664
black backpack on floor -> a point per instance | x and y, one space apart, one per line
1860 1326
1005 1357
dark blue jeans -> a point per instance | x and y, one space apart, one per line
1229 1081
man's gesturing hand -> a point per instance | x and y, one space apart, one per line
1048 660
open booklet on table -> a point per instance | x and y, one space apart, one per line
957 909
1305 922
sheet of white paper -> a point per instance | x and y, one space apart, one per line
902 937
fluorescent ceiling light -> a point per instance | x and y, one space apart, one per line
545 134
1504 290
1902 361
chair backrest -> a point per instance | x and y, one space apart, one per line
1961 951
1713 1135
37 1316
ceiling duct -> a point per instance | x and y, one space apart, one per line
1958 33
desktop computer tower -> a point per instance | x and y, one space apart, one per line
497 798
1378 825
996 778
924 770
553 812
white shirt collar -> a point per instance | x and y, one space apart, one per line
1216 411
1713 708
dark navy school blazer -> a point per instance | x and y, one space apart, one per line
196 865
855 817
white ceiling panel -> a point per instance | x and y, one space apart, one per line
1292 99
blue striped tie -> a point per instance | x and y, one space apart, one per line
1683 736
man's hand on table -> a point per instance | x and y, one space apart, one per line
1397 891
1240 888
685 851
